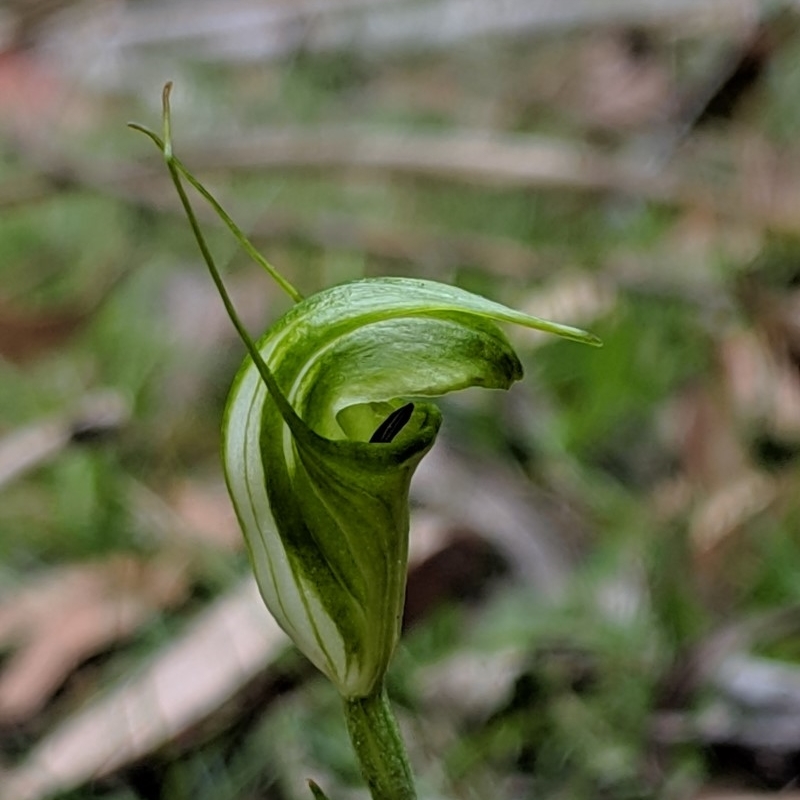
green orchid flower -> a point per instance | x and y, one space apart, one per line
323 505
326 422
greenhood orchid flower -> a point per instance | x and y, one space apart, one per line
323 506
326 422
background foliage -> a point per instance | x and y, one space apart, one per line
606 599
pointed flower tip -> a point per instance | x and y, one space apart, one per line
575 334
316 791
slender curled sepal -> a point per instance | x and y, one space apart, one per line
324 427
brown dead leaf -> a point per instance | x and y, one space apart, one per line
72 613
728 509
29 334
25 336
701 428
194 514
768 182
671 498
205 510
621 83
227 646
24 449
705 424
232 640
496 504
788 333
700 237
764 388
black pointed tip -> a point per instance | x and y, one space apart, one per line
392 425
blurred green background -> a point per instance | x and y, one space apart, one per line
605 600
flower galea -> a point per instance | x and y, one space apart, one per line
319 463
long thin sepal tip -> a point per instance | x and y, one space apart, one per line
167 119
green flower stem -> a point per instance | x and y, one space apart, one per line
381 753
